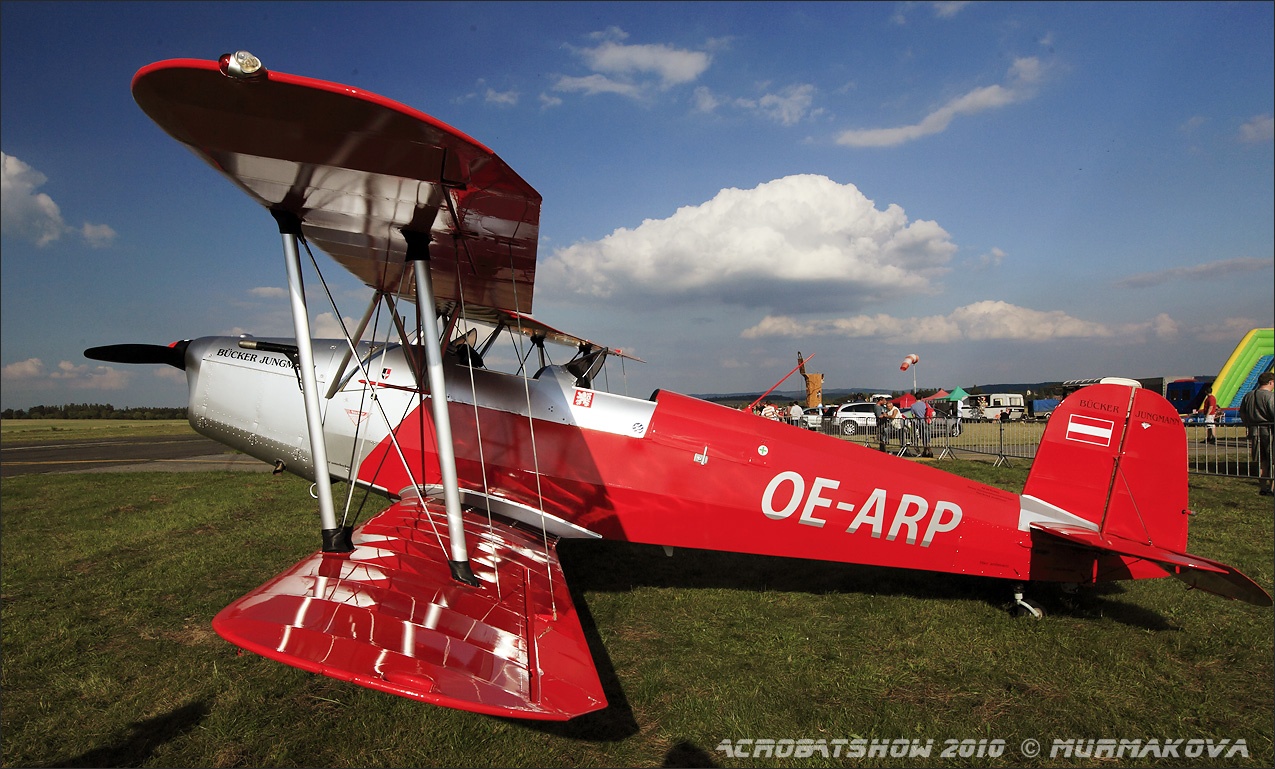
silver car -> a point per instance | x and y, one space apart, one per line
854 418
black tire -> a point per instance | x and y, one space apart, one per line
849 427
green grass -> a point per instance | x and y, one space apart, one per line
109 583
14 431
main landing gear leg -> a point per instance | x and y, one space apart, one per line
1024 608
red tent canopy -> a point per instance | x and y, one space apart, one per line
940 395
905 401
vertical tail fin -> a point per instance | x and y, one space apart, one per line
1115 455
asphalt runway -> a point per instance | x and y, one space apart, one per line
169 454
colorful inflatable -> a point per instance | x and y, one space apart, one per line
1253 355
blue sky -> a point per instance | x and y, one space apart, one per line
1013 192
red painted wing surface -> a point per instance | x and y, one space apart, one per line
389 616
356 167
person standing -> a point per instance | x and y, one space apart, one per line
924 414
893 418
878 410
1210 410
1257 412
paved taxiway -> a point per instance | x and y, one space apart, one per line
169 454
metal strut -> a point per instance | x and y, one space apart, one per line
336 539
418 255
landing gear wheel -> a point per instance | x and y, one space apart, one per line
1027 609
1024 608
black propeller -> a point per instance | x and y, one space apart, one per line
174 355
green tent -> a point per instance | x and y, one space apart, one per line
956 395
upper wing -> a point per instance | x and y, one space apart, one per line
356 167
389 616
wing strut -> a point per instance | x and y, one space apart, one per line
336 539
418 255
338 379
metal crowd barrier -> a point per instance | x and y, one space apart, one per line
1229 453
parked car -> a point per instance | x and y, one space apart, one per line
814 416
997 404
854 418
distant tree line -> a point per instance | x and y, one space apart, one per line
93 411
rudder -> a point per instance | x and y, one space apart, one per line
1114 454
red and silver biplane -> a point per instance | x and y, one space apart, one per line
453 594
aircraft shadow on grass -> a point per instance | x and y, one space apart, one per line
617 567
146 736
620 567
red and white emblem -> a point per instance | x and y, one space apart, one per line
584 399
1090 430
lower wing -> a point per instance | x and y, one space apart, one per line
389 616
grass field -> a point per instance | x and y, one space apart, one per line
109 583
43 430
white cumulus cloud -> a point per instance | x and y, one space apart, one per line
23 211
802 242
501 98
1021 81
91 377
591 85
268 292
32 215
97 235
31 368
633 70
325 326
788 106
979 321
945 9
1258 129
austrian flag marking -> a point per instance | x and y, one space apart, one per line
1090 430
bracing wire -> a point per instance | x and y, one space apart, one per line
478 431
535 454
367 378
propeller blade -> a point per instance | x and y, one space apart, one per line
174 355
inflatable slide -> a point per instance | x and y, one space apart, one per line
1253 355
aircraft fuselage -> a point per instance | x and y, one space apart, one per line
671 470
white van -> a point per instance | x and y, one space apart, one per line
998 403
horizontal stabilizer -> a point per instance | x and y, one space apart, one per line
389 616
1201 573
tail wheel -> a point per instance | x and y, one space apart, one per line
1024 608
1027 609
